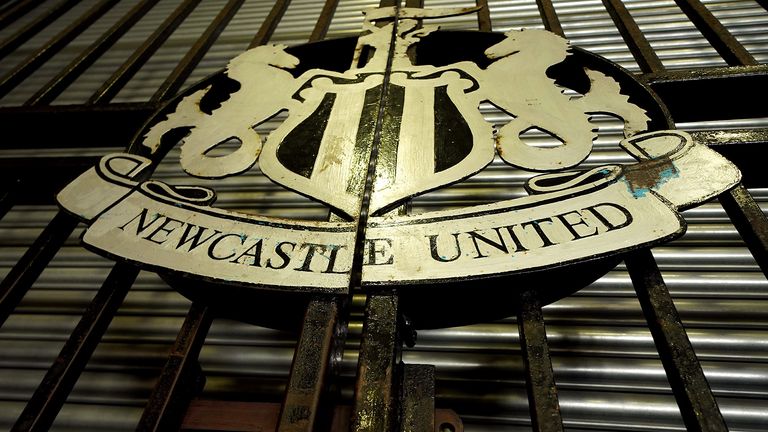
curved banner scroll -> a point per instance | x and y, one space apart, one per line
569 217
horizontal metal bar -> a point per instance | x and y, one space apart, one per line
721 39
180 376
53 46
270 23
74 69
639 46
221 415
740 147
539 378
73 126
33 27
120 77
33 262
691 389
711 94
44 405
196 53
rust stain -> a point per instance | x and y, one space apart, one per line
648 175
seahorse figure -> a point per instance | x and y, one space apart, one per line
266 88
517 83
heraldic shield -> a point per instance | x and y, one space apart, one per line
323 150
366 123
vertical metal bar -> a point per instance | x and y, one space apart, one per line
543 403
721 39
484 16
33 262
185 67
121 76
34 27
270 23
549 17
417 398
69 74
324 21
642 51
750 221
179 377
691 389
311 361
42 408
53 46
10 14
374 409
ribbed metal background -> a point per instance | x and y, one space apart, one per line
606 366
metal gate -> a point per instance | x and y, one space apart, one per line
46 144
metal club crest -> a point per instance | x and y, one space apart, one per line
375 120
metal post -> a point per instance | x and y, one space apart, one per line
691 389
311 364
539 377
180 376
374 409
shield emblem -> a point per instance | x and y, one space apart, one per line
429 130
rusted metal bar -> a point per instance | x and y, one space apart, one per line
309 372
549 17
180 376
185 67
227 416
121 76
324 21
721 39
374 408
642 51
53 46
73 125
711 93
417 398
543 403
740 147
270 23
691 389
11 12
33 262
74 69
34 27
414 3
42 408
718 137
750 221
483 16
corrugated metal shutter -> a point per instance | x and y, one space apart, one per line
605 363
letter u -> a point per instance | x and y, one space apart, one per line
433 248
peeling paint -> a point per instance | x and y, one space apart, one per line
650 176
